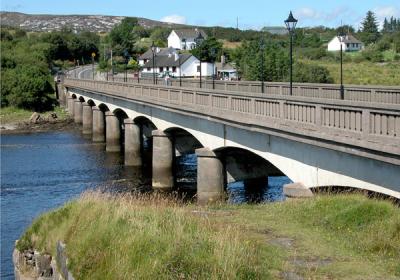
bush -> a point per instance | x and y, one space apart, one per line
306 73
373 54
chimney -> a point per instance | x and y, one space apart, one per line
223 60
176 56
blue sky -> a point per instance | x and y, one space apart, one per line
251 13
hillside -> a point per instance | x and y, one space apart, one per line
93 23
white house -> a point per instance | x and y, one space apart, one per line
225 71
144 58
184 39
185 65
349 43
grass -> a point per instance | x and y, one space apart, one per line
363 73
150 237
13 115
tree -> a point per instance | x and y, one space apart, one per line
209 50
123 36
369 30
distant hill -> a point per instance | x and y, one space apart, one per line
93 23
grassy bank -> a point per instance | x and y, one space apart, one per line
363 73
13 115
147 237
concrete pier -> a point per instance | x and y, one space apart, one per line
78 107
70 106
210 177
132 144
98 129
163 152
113 133
87 119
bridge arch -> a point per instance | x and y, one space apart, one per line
184 141
81 99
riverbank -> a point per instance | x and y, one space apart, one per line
151 237
18 121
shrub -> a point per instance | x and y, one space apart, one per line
306 73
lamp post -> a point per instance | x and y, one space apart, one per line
126 56
341 39
180 69
262 48
213 53
198 41
153 50
291 25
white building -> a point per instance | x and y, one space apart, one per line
144 58
225 71
349 43
184 39
187 66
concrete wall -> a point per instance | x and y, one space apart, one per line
309 164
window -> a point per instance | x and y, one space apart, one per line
174 69
167 68
348 45
198 68
148 69
161 69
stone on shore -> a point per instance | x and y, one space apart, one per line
296 190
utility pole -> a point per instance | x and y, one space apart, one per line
237 23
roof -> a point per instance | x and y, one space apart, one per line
165 60
224 67
163 51
189 33
350 39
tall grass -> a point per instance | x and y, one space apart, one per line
146 237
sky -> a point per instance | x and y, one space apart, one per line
251 14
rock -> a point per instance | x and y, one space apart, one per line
43 265
297 190
289 275
35 118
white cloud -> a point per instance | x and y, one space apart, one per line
174 19
307 14
386 12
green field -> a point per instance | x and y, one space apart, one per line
13 115
363 73
150 237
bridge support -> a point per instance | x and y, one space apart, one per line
132 144
70 106
210 176
98 131
113 133
78 107
162 161
87 119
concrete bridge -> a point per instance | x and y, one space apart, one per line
315 140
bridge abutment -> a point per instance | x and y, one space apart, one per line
98 129
163 155
78 107
132 144
210 176
87 119
113 133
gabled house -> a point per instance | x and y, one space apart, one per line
184 39
144 58
225 71
349 43
175 65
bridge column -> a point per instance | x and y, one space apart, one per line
98 125
163 178
113 133
87 119
78 107
132 144
210 176
70 105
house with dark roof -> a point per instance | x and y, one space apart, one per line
349 43
185 39
145 57
225 70
175 65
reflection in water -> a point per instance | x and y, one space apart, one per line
42 171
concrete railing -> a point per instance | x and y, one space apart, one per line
368 125
380 94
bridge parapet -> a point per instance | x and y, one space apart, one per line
378 94
368 129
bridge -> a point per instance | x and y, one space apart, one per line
240 131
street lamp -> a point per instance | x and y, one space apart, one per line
126 56
198 41
213 53
153 50
341 39
262 48
291 25
180 69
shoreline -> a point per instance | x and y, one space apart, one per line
26 127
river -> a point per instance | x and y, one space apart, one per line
42 171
